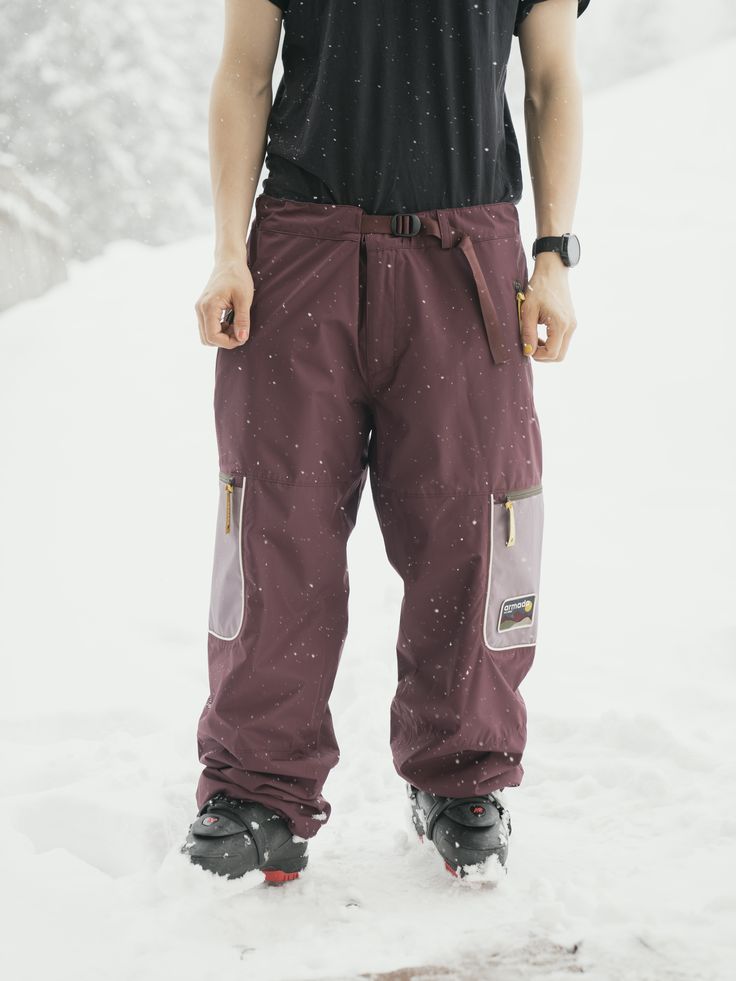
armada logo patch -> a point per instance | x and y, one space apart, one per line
517 611
210 819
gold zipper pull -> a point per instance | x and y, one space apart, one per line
228 506
511 538
520 297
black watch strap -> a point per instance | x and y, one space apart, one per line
567 245
547 243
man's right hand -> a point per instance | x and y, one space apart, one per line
229 286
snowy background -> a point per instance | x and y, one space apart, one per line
623 852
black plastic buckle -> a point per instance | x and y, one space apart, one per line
407 226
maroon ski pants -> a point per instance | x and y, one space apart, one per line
396 351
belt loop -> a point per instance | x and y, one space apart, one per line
445 230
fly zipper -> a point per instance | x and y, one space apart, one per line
229 483
508 503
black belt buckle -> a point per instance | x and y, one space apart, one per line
407 226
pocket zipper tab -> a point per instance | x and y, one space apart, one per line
511 537
520 297
228 505
508 503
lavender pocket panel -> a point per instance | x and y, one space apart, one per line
227 596
511 611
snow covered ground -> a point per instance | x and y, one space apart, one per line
623 856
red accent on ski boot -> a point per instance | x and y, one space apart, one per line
450 869
275 877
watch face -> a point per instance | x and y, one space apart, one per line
571 249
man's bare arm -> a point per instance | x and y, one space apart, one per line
553 117
240 103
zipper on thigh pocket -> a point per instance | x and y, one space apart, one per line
516 522
227 596
229 483
508 503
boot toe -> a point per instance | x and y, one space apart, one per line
231 855
232 837
463 846
467 832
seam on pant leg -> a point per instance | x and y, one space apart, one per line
457 493
297 483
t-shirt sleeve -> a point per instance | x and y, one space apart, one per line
284 4
525 7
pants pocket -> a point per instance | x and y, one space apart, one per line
514 565
227 596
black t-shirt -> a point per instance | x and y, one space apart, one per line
396 105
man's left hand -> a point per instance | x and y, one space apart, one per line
547 301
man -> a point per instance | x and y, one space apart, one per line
380 318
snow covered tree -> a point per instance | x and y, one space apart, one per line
108 106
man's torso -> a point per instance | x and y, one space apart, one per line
395 105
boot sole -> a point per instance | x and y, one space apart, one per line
273 876
276 877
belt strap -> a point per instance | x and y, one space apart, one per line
447 235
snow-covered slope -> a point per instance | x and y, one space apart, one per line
623 847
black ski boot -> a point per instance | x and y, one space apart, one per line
467 831
231 836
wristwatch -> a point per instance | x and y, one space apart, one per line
568 245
